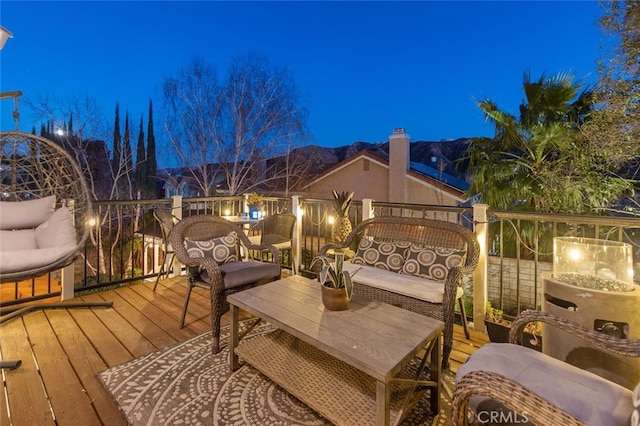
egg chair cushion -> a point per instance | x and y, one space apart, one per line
22 239
25 214
50 241
17 261
56 231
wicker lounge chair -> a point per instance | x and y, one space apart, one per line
220 268
506 379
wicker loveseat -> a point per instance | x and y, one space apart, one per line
417 264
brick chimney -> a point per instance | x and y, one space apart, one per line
398 165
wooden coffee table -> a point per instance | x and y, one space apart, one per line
349 366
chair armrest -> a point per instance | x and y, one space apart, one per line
325 248
625 347
275 253
512 395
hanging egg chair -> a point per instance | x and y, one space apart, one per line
45 204
45 207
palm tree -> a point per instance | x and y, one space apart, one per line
540 160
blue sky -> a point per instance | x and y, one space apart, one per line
364 67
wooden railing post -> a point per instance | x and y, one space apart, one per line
176 210
68 272
367 209
481 229
176 206
296 243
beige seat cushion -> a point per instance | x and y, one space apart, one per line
584 395
407 285
277 242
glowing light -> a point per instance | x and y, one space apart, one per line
92 221
575 254
227 212
331 220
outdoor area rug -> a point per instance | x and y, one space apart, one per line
186 384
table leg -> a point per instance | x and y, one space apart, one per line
383 403
233 337
435 370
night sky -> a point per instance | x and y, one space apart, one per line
364 67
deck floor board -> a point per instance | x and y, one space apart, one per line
72 345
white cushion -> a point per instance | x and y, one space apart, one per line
25 214
257 239
56 231
17 261
407 285
584 395
22 239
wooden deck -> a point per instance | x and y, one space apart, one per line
62 350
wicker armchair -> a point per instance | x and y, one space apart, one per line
425 233
276 229
225 278
511 379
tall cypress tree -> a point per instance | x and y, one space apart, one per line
141 164
127 154
117 151
152 164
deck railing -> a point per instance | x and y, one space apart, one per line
126 245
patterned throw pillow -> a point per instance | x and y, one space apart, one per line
432 262
383 255
222 249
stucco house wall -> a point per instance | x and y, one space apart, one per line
369 176
419 193
364 180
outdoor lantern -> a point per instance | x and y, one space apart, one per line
254 213
5 35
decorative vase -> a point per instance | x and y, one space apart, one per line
334 299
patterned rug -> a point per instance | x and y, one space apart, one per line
186 384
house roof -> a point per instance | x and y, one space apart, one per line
417 171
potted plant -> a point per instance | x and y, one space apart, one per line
254 201
498 329
342 226
336 283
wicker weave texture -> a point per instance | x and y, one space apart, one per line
341 393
